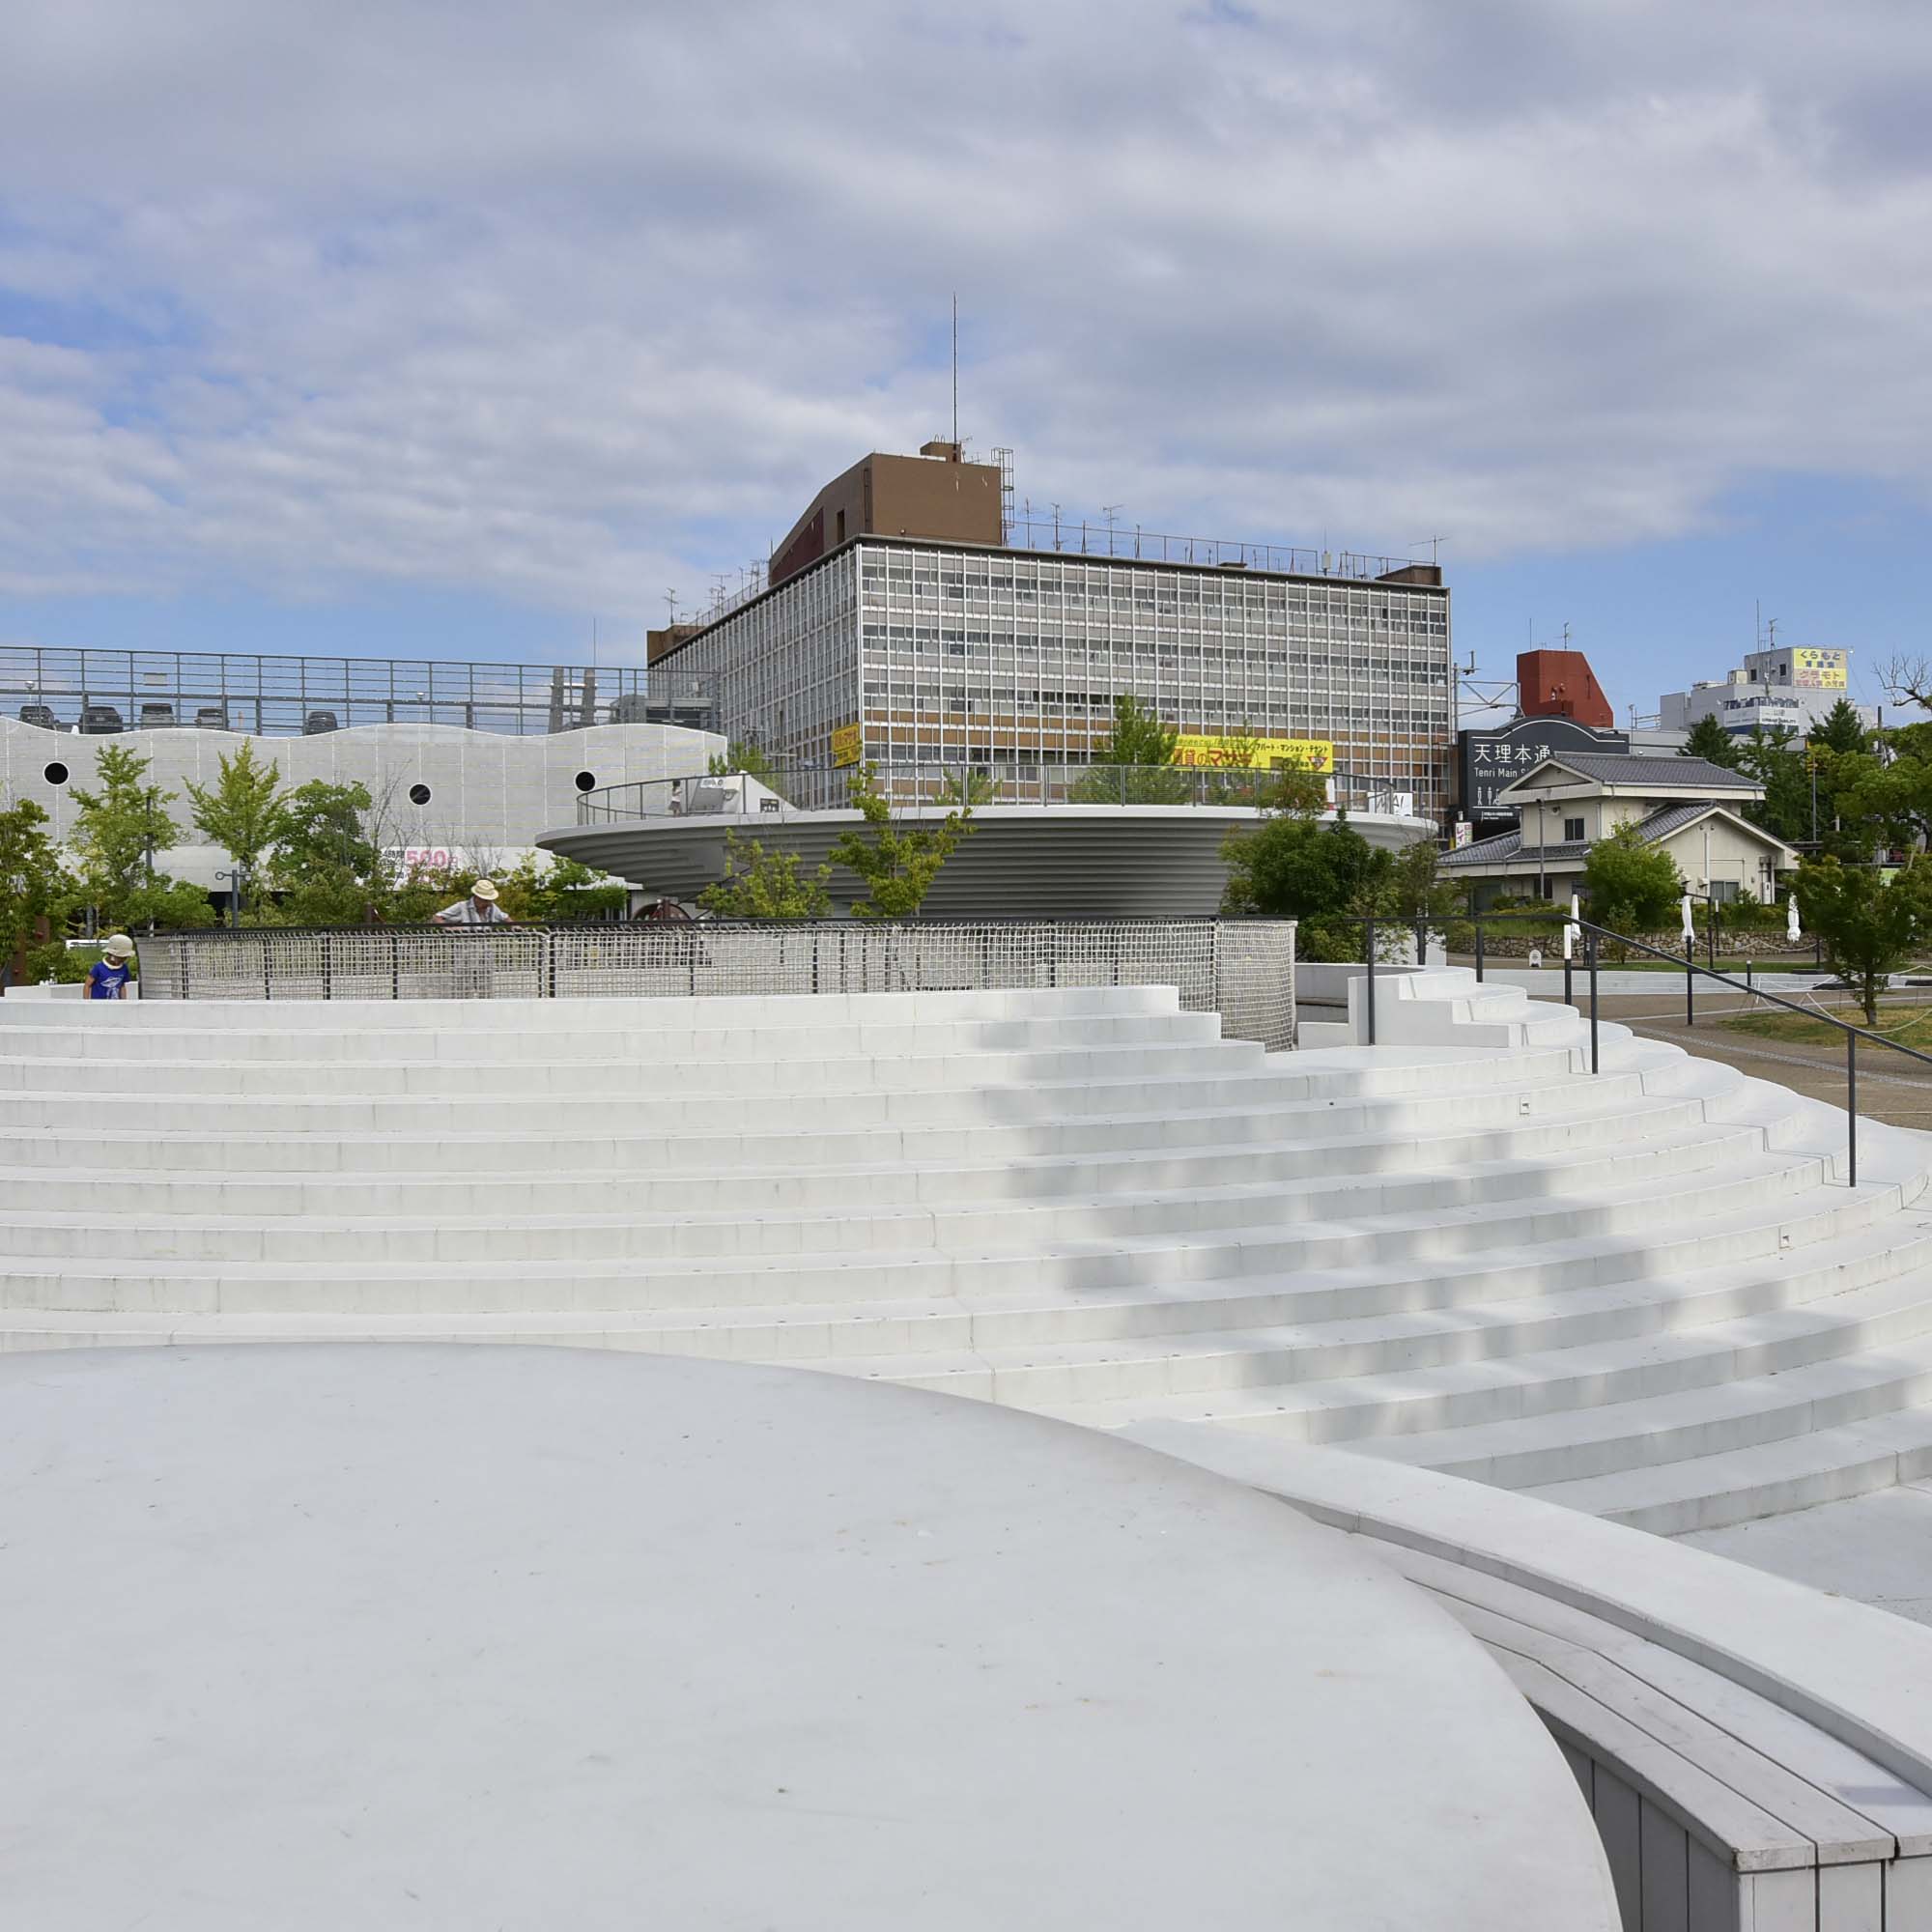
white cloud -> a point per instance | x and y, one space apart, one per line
572 304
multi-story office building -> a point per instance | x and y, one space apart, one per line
932 651
1794 685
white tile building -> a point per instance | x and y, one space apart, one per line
908 651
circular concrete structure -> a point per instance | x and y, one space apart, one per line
1022 860
454 1637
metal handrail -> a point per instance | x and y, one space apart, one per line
1594 936
784 790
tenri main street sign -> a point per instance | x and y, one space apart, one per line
1488 761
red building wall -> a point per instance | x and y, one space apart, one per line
1560 684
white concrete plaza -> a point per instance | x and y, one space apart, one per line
336 1636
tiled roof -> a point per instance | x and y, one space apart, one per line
1624 769
1507 847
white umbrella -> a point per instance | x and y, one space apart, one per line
1690 925
1570 928
1790 931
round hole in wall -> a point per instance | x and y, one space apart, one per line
586 780
420 794
55 774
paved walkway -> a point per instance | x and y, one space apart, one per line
1891 1087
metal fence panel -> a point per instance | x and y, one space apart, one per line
1243 969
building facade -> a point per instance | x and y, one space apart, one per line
1795 685
1567 799
930 653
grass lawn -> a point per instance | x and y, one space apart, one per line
1800 1029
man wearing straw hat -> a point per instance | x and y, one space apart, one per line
472 973
108 976
480 908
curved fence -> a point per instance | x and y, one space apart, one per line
1243 969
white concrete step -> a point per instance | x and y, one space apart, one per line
1761 1479
978 1164
299 1053
1706 1171
1583 1444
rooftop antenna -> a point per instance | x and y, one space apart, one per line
1109 514
1434 542
670 598
956 369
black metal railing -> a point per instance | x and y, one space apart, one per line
1594 938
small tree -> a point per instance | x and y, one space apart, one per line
766 885
1630 885
558 893
899 867
1709 740
119 829
1867 929
241 811
32 883
1841 729
1133 763
749 757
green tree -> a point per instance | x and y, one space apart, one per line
1867 929
766 885
1709 740
559 893
1327 876
1841 729
33 887
966 788
749 757
120 828
324 867
1133 764
1632 886
1776 760
1876 804
897 865
241 811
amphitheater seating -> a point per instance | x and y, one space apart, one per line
1646 1293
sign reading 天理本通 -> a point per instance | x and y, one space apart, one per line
848 744
1261 754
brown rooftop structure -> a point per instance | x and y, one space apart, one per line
934 495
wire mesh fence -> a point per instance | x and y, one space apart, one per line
1243 969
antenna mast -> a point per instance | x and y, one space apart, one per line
955 368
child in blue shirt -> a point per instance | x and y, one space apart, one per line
108 978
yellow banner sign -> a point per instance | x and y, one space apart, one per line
1259 754
848 744
1819 671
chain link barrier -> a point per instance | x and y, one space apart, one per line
1243 969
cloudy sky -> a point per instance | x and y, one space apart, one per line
447 327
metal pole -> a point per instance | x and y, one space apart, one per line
1479 951
1371 951
1595 1066
1690 959
1852 1106
396 965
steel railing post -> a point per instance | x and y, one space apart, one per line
1595 1066
1479 951
1370 949
1690 979
1852 1107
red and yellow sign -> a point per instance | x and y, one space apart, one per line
1253 754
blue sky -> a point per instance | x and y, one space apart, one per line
457 333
